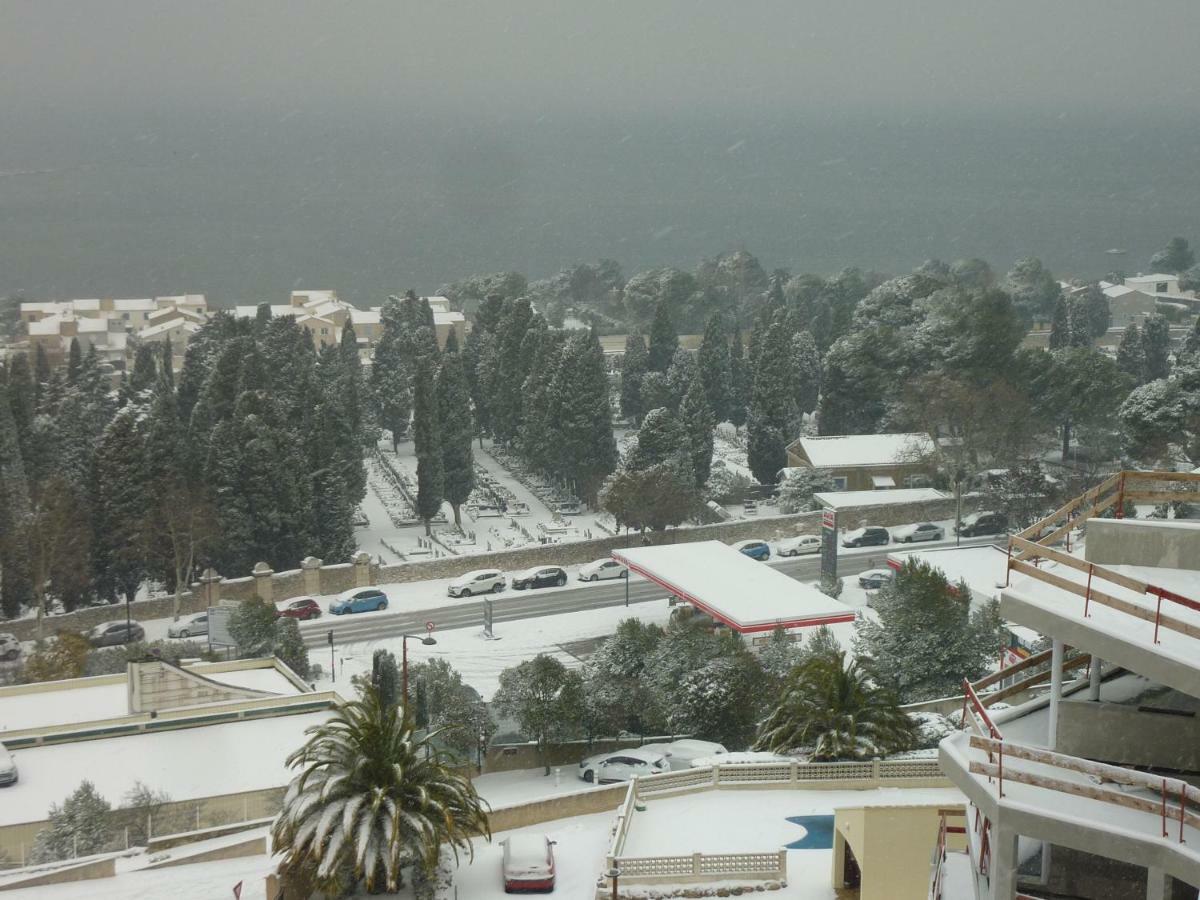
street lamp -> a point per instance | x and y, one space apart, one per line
428 641
613 874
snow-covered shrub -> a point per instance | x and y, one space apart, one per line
931 727
796 492
80 827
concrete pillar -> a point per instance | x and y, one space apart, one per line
311 567
362 569
1056 682
1158 885
263 585
1094 676
1004 864
210 587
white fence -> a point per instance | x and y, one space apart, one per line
767 866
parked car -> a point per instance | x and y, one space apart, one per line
874 579
542 576
983 523
10 647
754 548
622 765
359 600
798 546
8 768
601 569
113 634
680 754
193 627
922 531
303 608
477 581
528 863
871 536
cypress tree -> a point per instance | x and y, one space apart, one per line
351 390
22 400
1060 325
119 504
662 440
634 365
1156 339
391 386
740 379
511 368
16 589
770 406
1131 355
457 429
145 368
663 339
427 442
41 368
583 415
74 361
698 422
806 359
715 365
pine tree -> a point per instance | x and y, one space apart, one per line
770 406
119 505
586 448
1156 339
145 368
713 361
698 422
806 359
664 340
427 442
1131 355
741 380
634 365
662 439
391 385
74 361
1060 325
680 376
80 827
510 371
457 429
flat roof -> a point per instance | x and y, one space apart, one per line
187 764
838 451
746 595
847 499
82 700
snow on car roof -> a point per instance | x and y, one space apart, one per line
526 849
733 588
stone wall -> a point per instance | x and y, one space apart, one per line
315 578
560 806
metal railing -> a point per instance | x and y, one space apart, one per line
939 854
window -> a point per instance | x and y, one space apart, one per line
839 482
1160 287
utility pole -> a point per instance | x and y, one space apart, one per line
332 671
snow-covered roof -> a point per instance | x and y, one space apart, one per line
449 317
187 764
849 499
277 309
305 297
731 587
1118 290
364 316
134 305
1150 279
847 450
152 331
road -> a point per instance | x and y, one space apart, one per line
513 605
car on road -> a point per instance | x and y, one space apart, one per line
799 546
622 765
602 569
10 647
302 608
754 548
870 536
528 863
477 581
359 600
8 768
680 754
980 523
921 531
193 627
539 577
113 634
874 579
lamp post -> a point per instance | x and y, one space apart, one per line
428 641
613 874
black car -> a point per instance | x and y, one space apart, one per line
542 576
112 634
870 536
983 523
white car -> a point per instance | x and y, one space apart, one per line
798 546
922 531
622 765
680 754
601 569
194 627
10 647
8 768
479 581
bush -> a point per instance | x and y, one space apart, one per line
63 656
80 827
726 486
111 660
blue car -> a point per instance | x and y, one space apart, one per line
754 549
359 600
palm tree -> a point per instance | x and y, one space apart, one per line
370 799
832 711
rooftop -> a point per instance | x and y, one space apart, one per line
848 499
842 451
746 595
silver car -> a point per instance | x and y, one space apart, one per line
924 531
194 627
8 768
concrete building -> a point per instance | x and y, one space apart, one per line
54 333
1087 790
865 462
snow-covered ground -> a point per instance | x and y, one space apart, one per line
480 661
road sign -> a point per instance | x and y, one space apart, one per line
829 546
218 627
429 627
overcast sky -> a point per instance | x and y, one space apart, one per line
520 56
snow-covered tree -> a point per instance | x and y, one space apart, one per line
633 368
741 379
926 639
1156 341
1060 325
1177 256
1034 290
833 711
620 693
371 799
721 700
452 707
427 442
457 429
806 362
585 449
771 405
79 827
546 700
288 645
655 497
715 367
252 627
664 340
1131 355
796 491
698 424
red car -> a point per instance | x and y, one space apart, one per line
305 608
528 863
